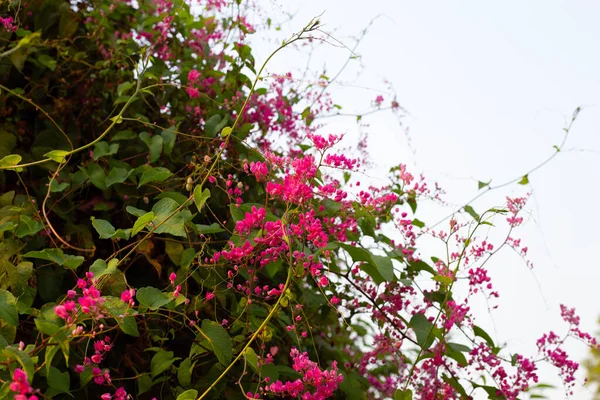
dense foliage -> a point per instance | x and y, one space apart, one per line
174 225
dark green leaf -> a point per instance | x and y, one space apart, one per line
161 362
219 339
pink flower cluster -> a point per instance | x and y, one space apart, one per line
315 384
20 385
90 300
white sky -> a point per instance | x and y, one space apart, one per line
489 87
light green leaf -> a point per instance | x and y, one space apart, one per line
472 213
158 174
117 119
200 196
135 211
103 149
251 358
141 222
219 339
190 394
173 223
103 227
57 256
99 267
152 298
161 362
524 180
124 87
226 131
10 160
57 155
8 308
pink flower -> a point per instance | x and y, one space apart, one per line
172 278
193 76
210 296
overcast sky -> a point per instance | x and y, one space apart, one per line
489 86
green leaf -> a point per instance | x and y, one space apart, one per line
481 185
173 223
174 250
117 175
472 213
184 373
124 87
524 180
152 298
8 308
251 358
117 119
56 187
60 381
236 213
190 394
424 330
403 394
226 131
158 174
154 143
379 268
47 61
27 227
214 124
219 339
117 309
10 160
99 267
103 227
57 155
144 384
459 347
161 362
135 211
169 136
446 280
207 229
484 335
141 222
418 223
57 256
200 196
103 149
